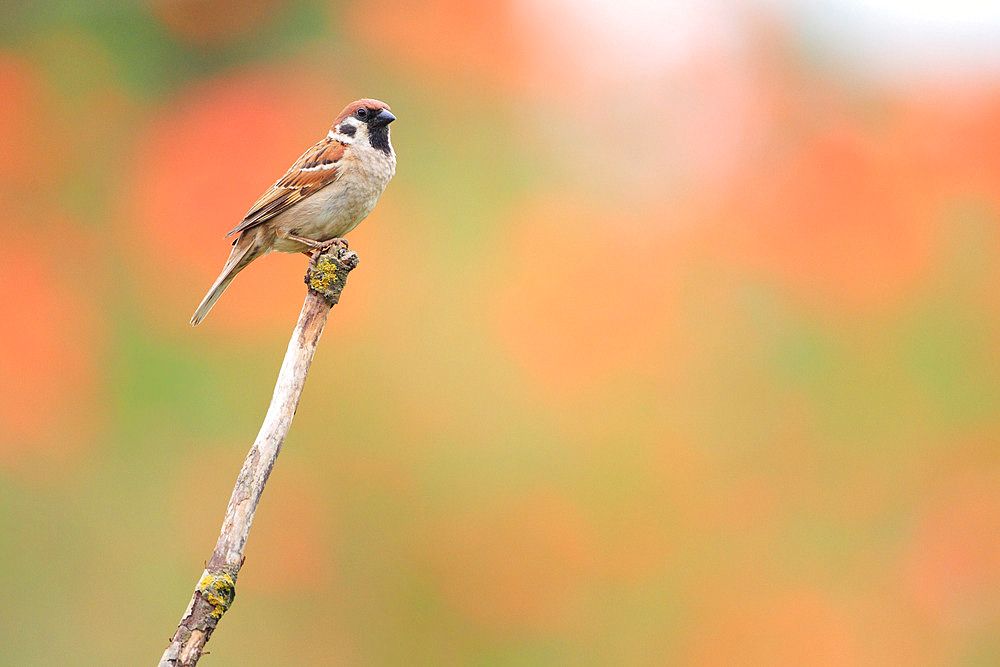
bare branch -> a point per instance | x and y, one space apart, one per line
217 586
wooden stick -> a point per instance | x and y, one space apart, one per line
216 588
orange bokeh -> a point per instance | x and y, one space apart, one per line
952 569
444 40
580 300
639 545
796 627
741 499
517 566
847 219
50 347
288 553
957 137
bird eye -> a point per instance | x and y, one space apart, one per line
362 112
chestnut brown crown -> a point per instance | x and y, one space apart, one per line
372 107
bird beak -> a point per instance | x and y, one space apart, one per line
384 117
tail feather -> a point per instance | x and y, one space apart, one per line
242 254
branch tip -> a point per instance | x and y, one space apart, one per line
327 274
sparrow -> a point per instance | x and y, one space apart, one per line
331 188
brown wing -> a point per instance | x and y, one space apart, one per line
317 168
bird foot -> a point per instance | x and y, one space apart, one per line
340 244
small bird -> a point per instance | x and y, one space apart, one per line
325 194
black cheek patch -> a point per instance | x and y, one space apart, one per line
347 129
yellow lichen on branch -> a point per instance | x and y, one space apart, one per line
328 274
219 590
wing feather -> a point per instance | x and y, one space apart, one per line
314 170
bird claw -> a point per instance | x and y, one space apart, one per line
340 244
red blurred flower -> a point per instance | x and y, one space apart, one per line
845 217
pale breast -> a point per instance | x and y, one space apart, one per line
341 206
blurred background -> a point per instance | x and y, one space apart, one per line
675 340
